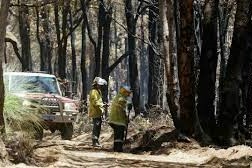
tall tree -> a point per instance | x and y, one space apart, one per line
24 31
3 17
169 50
106 47
43 37
208 64
74 65
231 93
83 63
62 36
155 63
133 70
185 67
62 58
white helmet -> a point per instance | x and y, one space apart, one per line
99 81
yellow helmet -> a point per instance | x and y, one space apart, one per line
125 90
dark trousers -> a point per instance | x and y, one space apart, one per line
118 137
96 128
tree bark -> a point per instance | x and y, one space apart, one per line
169 49
185 67
231 93
106 50
63 40
58 32
154 60
74 65
44 39
24 31
208 64
133 70
101 21
3 17
83 63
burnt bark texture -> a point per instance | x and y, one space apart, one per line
98 46
74 64
24 31
62 58
133 68
185 67
58 35
3 17
208 64
232 85
155 80
106 49
43 37
248 86
83 63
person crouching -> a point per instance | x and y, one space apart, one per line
118 119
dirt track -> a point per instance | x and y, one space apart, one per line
53 152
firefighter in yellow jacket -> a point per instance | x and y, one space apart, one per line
96 108
118 119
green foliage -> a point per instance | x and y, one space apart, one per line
19 117
21 122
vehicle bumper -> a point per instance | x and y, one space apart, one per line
58 118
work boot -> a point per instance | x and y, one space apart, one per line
183 138
118 147
96 143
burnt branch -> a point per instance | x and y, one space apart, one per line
119 60
14 45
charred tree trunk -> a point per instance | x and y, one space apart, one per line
133 70
224 15
248 101
208 64
63 40
24 31
154 88
83 64
58 32
231 93
74 66
3 17
106 50
185 67
44 40
101 22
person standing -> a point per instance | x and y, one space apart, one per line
96 108
118 119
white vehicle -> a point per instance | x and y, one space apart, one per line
60 112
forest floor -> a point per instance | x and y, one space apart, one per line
148 145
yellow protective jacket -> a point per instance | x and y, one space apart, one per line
96 108
117 113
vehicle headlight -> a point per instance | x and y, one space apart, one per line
69 106
27 103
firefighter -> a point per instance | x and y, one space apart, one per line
118 119
96 108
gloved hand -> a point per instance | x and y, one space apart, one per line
105 105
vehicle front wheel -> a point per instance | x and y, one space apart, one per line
66 131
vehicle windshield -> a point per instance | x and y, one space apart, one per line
33 84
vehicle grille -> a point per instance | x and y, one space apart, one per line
52 104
